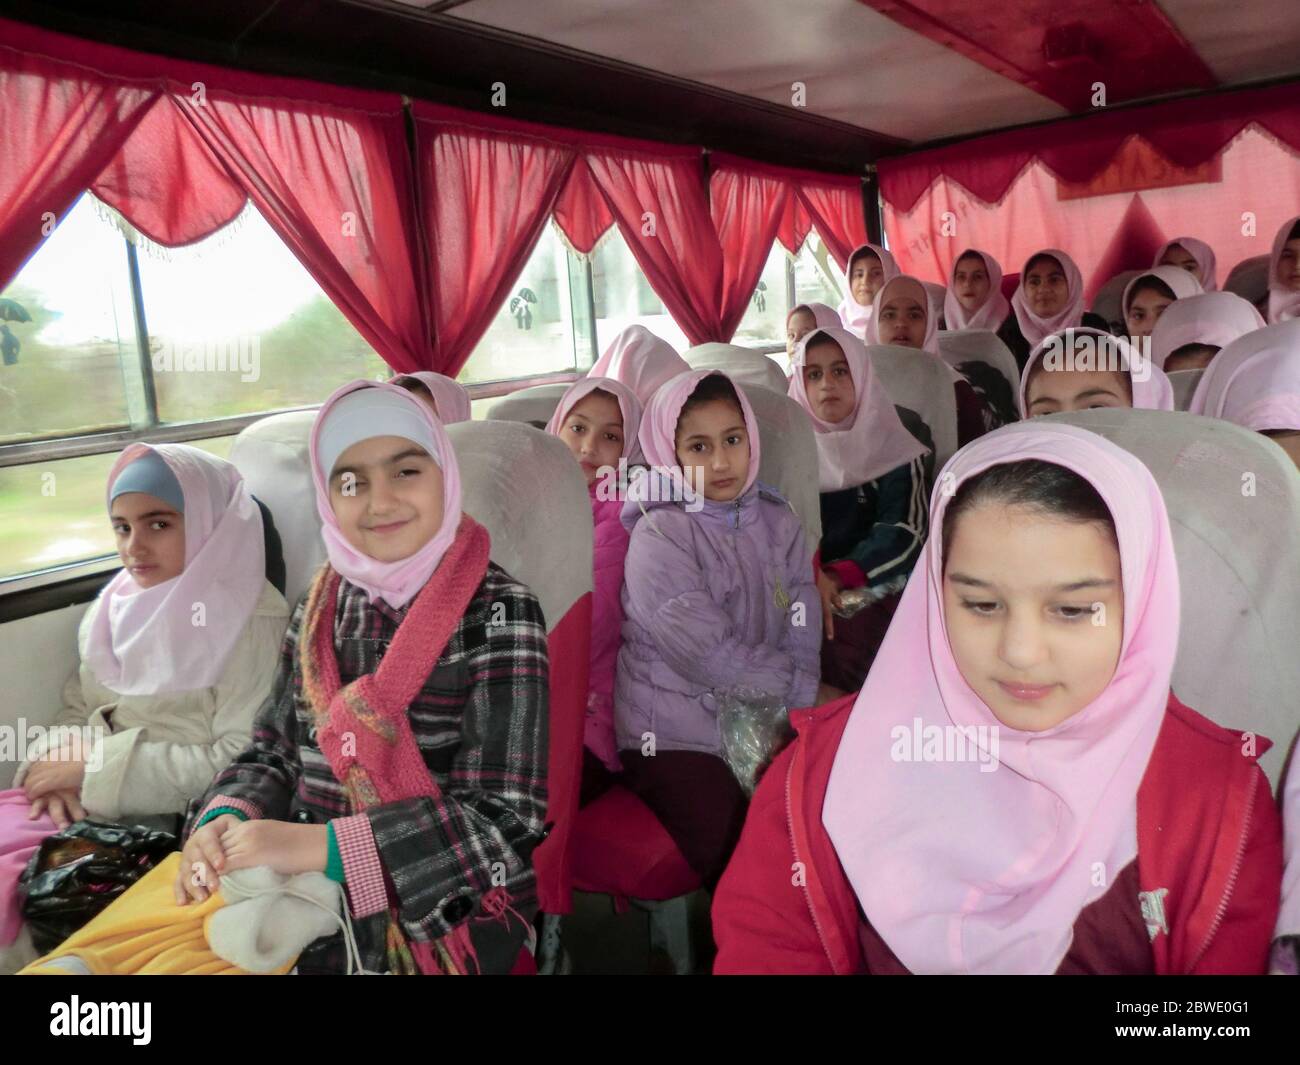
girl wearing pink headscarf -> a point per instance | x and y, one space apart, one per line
873 480
1048 299
403 751
1284 274
718 595
870 266
905 317
1149 295
177 654
448 399
1192 330
804 319
1016 789
598 419
1254 382
1194 256
1079 369
974 297
639 359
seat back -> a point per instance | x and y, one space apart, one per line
1249 278
1109 298
744 366
535 404
919 383
788 460
1184 382
1233 498
980 345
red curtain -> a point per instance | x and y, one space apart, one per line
62 124
581 211
486 197
748 207
795 225
836 211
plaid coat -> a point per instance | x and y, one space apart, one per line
481 724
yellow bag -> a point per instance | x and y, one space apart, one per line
144 933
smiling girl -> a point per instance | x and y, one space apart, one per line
1106 829
1049 299
869 268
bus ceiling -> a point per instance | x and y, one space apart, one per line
829 85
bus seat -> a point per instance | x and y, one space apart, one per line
980 345
535 404
1184 382
1234 507
272 455
920 384
788 454
1107 301
744 366
1249 279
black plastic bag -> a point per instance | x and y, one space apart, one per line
77 872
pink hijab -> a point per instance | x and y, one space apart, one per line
966 871
658 435
1206 265
1181 283
640 360
854 315
450 397
823 316
1282 302
359 411
143 641
918 291
627 404
871 440
1254 382
1155 393
988 315
1034 328
1216 318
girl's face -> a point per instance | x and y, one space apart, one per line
866 277
828 381
1145 307
1191 357
1034 608
1046 287
1177 255
150 538
713 449
970 282
593 430
902 321
1288 440
1054 391
1288 266
799 325
386 493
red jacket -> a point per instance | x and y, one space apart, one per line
1208 831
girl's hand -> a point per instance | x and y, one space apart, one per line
202 861
286 847
63 806
59 771
828 586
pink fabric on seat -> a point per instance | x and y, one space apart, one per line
621 849
19 839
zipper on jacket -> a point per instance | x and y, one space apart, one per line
794 849
1232 878
735 516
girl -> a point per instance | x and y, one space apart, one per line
1071 370
447 398
873 477
803 320
1149 295
870 267
176 655
974 299
403 752
640 360
1015 789
1284 274
1254 382
904 318
1194 256
1191 331
1049 299
718 595
598 419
